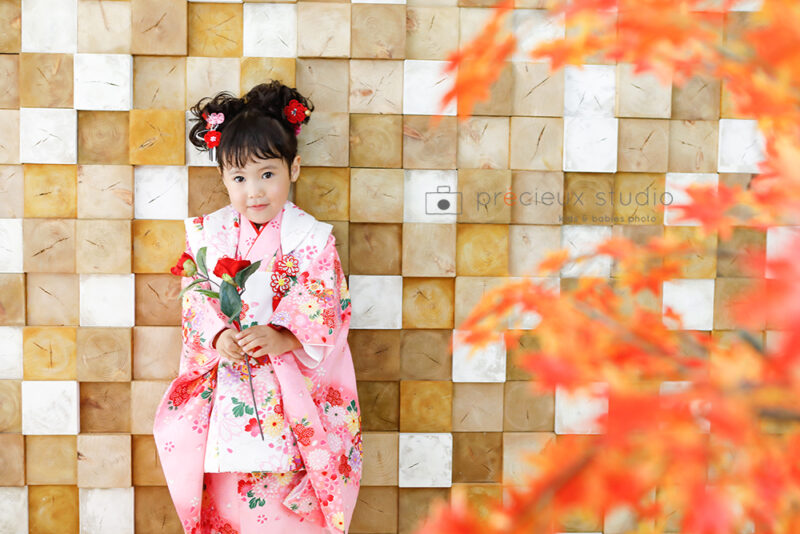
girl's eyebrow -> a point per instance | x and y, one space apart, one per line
265 166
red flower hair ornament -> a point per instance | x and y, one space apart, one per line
296 113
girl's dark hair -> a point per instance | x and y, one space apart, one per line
254 125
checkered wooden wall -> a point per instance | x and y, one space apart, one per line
96 175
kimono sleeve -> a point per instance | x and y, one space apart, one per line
202 318
317 307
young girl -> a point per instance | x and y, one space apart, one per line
292 463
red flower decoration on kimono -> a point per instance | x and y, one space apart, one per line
180 394
334 396
180 267
229 266
252 427
289 265
279 284
303 433
344 467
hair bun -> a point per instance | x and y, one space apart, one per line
280 101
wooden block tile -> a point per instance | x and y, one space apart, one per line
105 407
377 301
538 197
376 195
154 511
480 497
103 246
12 180
470 290
114 70
483 143
50 353
50 191
51 460
639 198
49 245
743 241
107 510
12 460
11 406
156 135
215 30
104 461
158 28
482 250
528 246
643 145
375 248
324 192
515 446
326 82
380 402
426 460
426 147
12 298
696 99
378 31
426 354
104 28
11 152
14 508
703 262
587 198
537 92
376 86
477 456
103 137
537 144
498 103
477 407
429 32
428 302
270 30
145 397
159 82
156 245
525 410
376 140
147 470
104 354
727 291
641 95
53 509
156 352
10 39
105 192
45 80
527 343
415 505
376 354
429 249
375 511
380 459
577 411
488 194
323 30
426 405
425 84
693 145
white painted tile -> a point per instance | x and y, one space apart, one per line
161 192
590 90
425 460
424 85
431 196
782 241
485 364
11 246
48 135
675 194
577 411
14 510
581 239
590 144
692 299
104 81
107 299
377 301
528 320
270 30
533 27
49 26
106 511
10 353
50 407
742 146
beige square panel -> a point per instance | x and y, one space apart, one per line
49 353
50 191
429 249
477 407
103 137
156 137
52 299
378 31
103 246
643 145
158 28
12 459
376 195
159 82
376 140
104 354
430 33
429 147
51 460
46 80
428 302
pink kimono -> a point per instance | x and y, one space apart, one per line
305 475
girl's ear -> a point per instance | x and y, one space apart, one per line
295 168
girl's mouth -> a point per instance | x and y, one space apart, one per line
258 206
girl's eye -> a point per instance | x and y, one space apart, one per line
239 176
266 173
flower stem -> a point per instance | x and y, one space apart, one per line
250 378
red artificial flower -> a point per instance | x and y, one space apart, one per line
229 266
295 112
180 268
212 138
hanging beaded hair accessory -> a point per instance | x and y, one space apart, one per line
210 135
296 113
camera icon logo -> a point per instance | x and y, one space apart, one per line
443 201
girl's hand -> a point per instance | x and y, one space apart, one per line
227 346
260 340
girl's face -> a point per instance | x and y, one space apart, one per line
260 190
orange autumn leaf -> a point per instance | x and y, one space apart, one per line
708 206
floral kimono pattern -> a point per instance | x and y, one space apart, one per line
306 398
